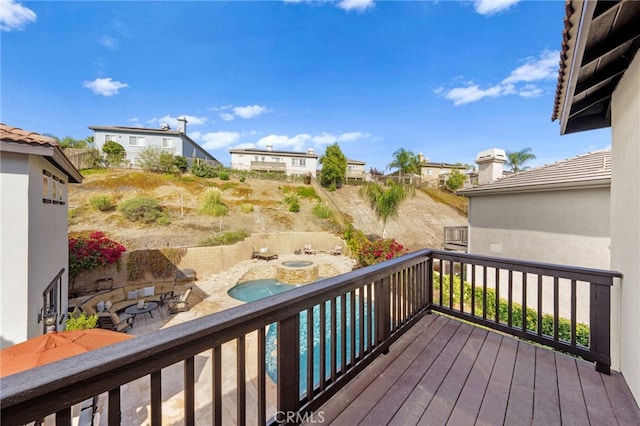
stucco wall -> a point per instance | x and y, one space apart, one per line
243 162
625 224
212 260
562 227
34 244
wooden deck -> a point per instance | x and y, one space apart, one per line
443 371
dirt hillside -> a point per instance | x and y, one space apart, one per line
254 206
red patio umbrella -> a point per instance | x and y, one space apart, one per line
55 346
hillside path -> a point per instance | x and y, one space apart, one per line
420 223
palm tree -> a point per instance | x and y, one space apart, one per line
516 159
405 161
385 200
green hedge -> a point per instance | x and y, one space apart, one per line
564 324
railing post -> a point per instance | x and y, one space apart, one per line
600 326
383 309
429 283
288 366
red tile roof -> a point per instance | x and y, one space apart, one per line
16 134
563 58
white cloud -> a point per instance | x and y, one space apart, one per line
108 42
473 93
104 86
301 142
216 140
490 7
249 111
173 121
246 145
544 68
227 117
14 16
534 70
530 91
357 5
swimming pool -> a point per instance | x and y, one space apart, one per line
272 334
249 291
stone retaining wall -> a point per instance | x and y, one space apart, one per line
212 260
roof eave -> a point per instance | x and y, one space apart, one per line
558 186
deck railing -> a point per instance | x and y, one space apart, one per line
327 332
455 238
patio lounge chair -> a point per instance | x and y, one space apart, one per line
180 303
111 321
308 249
336 251
264 253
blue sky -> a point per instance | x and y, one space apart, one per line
444 78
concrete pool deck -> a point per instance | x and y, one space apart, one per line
210 296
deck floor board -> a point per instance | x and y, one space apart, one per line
445 372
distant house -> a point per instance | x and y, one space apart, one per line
136 139
435 174
34 258
291 163
355 169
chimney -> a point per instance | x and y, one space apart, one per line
182 125
420 158
269 147
310 151
490 164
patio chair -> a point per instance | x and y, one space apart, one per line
111 321
264 254
308 249
180 303
336 251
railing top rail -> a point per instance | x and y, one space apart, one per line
92 373
596 276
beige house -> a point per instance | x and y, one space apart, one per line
599 86
355 169
34 257
287 162
435 174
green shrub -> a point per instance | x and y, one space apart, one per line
163 220
102 203
225 239
294 207
564 324
203 170
322 210
290 198
307 192
141 209
155 159
246 207
81 321
180 162
213 203
115 153
242 179
223 176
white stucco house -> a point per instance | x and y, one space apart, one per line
34 258
136 139
433 173
599 87
291 163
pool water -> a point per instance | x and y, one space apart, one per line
297 263
258 289
271 341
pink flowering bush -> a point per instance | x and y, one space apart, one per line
374 252
87 251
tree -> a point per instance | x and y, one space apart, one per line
155 159
405 161
385 200
115 153
516 159
455 180
334 166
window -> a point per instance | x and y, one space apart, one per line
276 159
45 184
167 143
429 172
108 138
136 140
302 162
